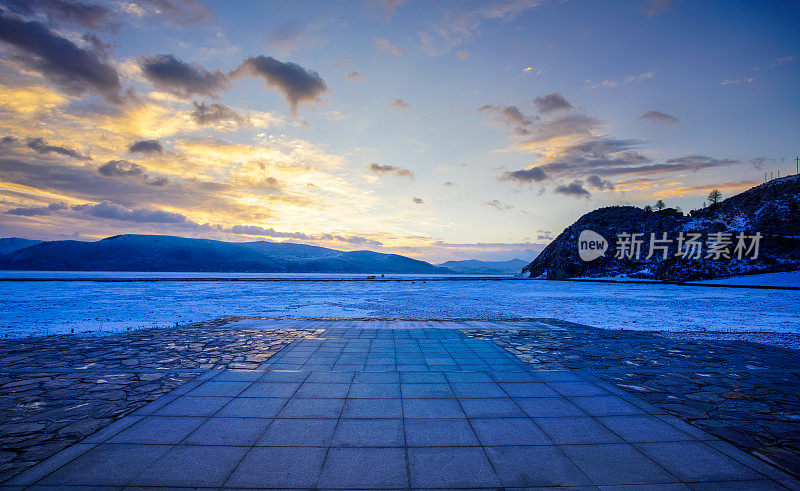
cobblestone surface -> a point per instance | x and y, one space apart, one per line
57 390
746 393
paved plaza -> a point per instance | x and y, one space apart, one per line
392 404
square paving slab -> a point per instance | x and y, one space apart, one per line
394 405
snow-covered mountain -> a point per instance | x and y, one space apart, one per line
475 266
168 253
770 210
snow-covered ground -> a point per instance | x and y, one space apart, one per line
791 278
53 307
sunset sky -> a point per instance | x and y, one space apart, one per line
439 130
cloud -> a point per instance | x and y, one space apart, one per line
463 26
37 211
748 80
114 211
400 104
525 176
180 12
511 115
655 7
182 79
390 169
295 82
214 113
574 189
703 189
388 47
600 184
499 205
551 103
86 15
659 117
417 201
571 126
40 146
75 70
391 5
462 54
355 76
146 146
628 79
120 168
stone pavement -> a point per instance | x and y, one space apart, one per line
408 405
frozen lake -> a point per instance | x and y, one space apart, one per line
54 307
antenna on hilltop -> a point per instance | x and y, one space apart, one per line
797 165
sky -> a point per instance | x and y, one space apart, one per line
439 130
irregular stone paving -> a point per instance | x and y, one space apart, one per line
745 393
57 390
421 407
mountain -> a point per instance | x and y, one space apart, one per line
12 244
474 266
770 209
167 253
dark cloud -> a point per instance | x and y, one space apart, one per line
417 201
600 184
159 181
9 140
295 82
390 169
574 189
120 168
146 146
271 232
499 205
573 125
114 211
183 79
534 174
400 104
659 117
61 61
511 115
552 102
38 210
205 114
40 146
86 15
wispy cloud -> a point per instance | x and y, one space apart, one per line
659 117
388 47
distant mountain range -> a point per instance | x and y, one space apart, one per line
770 209
167 253
474 266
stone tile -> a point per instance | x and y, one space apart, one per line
253 407
509 431
491 408
278 467
548 407
605 406
523 389
643 429
427 391
190 465
439 433
228 431
108 465
213 388
432 408
193 406
571 389
576 430
371 468
422 377
374 391
477 390
299 433
271 389
369 433
468 377
372 408
515 376
312 408
696 461
315 390
159 430
448 467
529 466
284 376
610 464
238 376
335 377
376 378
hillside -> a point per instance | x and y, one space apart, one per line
167 253
770 209
12 244
475 266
